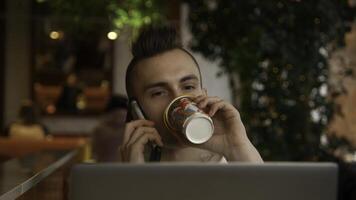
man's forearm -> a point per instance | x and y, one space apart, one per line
246 153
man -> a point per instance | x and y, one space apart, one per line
160 71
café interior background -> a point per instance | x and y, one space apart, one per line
288 66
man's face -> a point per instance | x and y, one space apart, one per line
160 79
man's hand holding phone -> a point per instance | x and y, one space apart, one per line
138 133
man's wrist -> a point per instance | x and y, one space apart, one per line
242 151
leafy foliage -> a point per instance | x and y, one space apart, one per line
83 17
279 50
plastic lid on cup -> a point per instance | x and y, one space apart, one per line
199 129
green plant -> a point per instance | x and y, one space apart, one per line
93 17
278 51
137 13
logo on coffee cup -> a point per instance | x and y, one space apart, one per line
183 116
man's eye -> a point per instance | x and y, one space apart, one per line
189 87
158 93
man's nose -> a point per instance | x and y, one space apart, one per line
176 93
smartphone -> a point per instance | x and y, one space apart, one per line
137 113
136 110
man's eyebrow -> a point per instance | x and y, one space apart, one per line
153 85
188 78
163 84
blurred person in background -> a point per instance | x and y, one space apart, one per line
28 124
67 102
109 133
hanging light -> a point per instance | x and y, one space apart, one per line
54 35
112 35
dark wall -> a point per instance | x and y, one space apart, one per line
2 63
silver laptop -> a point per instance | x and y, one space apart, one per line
270 181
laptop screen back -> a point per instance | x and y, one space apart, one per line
270 181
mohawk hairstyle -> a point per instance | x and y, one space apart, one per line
151 42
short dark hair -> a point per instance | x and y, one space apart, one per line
153 40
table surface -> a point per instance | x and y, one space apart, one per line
13 147
18 175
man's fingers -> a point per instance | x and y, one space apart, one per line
199 98
141 131
131 126
211 105
136 135
207 101
144 139
138 132
215 107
